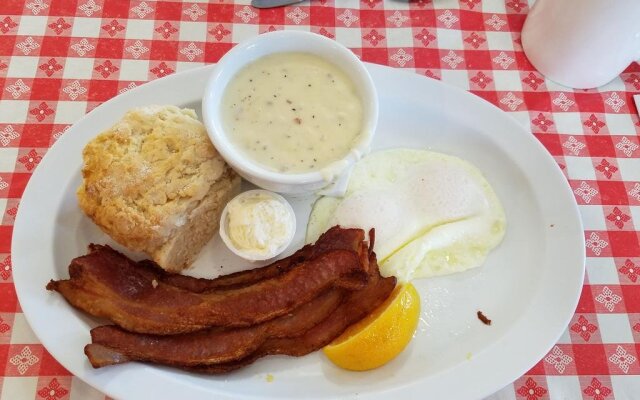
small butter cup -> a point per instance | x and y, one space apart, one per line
253 255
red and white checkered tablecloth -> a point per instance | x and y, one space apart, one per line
61 58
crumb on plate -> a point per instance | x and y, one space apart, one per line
483 318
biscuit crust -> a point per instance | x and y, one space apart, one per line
156 184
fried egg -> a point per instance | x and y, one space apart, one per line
434 214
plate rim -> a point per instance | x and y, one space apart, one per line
486 387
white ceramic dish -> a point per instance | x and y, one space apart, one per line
529 285
252 255
558 51
278 42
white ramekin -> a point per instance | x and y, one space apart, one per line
278 42
246 254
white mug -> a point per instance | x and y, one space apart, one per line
582 43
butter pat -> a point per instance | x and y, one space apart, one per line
257 225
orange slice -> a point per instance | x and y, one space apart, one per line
381 336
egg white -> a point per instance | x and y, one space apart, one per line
434 214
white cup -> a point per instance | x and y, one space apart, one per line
332 178
582 43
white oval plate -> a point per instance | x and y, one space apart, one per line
529 285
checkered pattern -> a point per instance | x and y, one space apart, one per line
61 58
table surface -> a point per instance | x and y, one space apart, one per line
61 58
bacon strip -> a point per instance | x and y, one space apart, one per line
115 289
211 345
335 238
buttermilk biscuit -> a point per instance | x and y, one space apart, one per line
155 183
